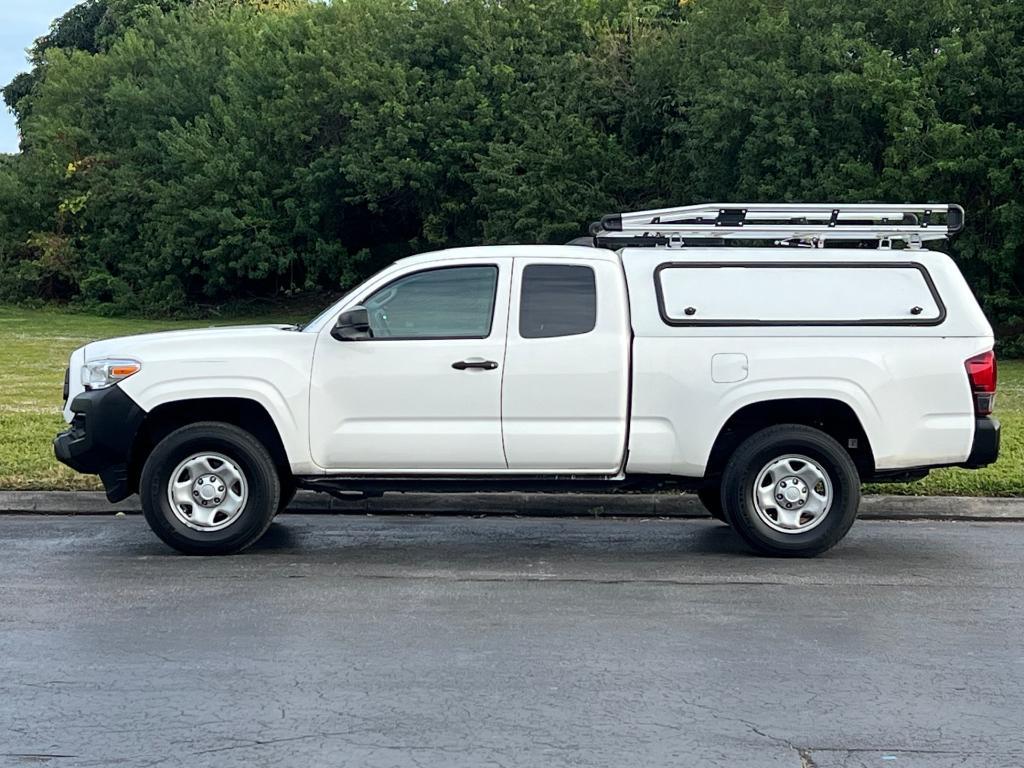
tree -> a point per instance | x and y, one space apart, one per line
182 153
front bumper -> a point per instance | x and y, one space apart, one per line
985 449
99 442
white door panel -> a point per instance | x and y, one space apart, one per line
392 405
564 399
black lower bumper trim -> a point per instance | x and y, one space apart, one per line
100 439
985 449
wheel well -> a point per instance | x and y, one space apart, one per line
833 417
164 419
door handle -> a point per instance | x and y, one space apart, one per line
484 365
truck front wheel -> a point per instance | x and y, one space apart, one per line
209 489
791 490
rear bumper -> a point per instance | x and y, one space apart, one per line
101 436
985 449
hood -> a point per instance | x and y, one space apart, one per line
140 344
194 346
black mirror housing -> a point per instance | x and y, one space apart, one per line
353 325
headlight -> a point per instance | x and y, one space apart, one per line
100 374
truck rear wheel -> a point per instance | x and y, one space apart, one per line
209 489
791 491
711 498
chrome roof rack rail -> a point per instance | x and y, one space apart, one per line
808 224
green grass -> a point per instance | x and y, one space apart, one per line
34 349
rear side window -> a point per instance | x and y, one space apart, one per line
557 300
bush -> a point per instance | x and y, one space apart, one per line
180 154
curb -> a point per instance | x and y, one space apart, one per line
530 504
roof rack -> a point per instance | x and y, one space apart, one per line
807 224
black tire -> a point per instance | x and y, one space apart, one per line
711 497
756 453
288 491
252 459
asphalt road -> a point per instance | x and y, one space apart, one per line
355 641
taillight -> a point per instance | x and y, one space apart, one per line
981 372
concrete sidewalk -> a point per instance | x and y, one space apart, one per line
531 504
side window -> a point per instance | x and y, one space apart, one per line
443 303
557 300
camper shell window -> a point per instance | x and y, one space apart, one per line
793 293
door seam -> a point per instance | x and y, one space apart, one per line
504 358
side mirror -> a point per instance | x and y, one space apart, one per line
353 325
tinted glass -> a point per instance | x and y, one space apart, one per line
449 303
557 300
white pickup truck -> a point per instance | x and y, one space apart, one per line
668 352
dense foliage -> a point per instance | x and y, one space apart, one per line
178 153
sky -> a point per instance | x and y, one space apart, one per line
21 22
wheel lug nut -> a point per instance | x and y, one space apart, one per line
788 505
778 496
217 500
782 484
196 493
220 489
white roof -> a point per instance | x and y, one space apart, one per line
510 251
